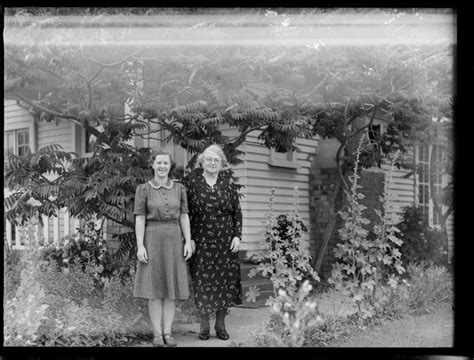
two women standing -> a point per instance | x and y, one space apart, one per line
215 225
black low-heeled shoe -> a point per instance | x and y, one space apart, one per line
204 334
222 334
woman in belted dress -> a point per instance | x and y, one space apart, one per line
216 228
161 222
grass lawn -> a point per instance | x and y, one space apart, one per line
431 330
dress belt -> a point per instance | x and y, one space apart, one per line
161 222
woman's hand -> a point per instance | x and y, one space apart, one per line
188 250
142 255
235 245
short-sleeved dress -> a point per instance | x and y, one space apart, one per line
166 274
216 218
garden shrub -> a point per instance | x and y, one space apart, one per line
431 286
298 312
292 316
420 242
364 264
391 303
331 330
12 266
287 264
61 307
25 312
71 303
285 228
297 321
286 261
87 246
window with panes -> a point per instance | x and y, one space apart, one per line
429 170
436 176
16 142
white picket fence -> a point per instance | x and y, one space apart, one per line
54 229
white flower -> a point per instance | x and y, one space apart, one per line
276 307
33 202
306 286
286 22
311 305
319 320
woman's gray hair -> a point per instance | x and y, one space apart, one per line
216 149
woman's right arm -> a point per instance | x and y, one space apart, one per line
140 218
140 234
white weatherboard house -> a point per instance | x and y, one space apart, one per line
262 170
311 169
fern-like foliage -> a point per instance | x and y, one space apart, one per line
200 98
102 185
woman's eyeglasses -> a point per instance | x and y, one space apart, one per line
211 160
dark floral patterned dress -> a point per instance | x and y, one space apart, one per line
216 218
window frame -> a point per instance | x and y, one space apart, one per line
16 146
28 124
423 174
11 231
286 160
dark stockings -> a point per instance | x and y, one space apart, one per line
219 326
205 322
220 316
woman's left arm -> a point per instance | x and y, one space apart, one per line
186 229
236 218
185 224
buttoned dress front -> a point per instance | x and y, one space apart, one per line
165 275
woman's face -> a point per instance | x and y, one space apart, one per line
212 162
162 165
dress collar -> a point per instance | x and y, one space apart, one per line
168 186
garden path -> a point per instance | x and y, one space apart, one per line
431 330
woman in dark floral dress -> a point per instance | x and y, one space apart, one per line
216 228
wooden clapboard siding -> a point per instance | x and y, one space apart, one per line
15 117
42 134
61 134
259 178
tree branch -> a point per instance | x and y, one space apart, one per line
339 166
103 66
321 83
243 135
56 114
369 124
33 104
